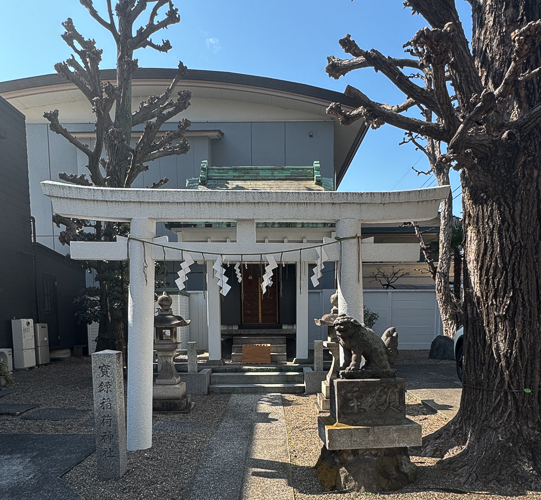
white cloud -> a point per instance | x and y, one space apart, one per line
213 44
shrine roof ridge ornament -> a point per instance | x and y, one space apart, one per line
125 204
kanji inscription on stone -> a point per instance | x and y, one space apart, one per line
369 401
109 414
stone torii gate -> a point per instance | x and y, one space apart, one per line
142 208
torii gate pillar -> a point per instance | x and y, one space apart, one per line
350 287
140 335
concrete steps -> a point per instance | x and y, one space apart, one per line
257 389
257 382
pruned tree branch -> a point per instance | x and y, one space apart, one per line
55 126
528 76
466 79
74 229
150 108
79 179
339 67
147 150
376 114
110 26
486 103
376 60
526 40
160 183
399 108
142 37
436 44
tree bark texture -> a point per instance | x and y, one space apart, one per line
498 424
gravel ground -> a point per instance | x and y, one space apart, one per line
179 440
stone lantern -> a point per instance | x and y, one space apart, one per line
169 392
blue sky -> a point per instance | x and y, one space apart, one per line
284 39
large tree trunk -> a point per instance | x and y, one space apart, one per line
499 417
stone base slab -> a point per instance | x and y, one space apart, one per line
197 383
336 436
172 405
323 403
326 389
312 380
177 391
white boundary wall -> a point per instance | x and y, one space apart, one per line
414 314
198 317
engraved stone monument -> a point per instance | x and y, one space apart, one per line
366 436
109 414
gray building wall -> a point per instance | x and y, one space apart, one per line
243 143
17 297
58 281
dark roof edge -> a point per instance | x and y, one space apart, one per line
195 75
351 154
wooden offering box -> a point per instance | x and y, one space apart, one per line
256 354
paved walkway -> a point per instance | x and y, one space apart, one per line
254 464
31 465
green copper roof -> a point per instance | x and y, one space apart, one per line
262 178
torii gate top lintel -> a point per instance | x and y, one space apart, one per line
123 205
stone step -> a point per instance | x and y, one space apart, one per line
246 378
258 331
275 349
240 368
263 339
275 358
257 388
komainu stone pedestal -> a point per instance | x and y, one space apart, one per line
368 401
366 437
372 470
324 397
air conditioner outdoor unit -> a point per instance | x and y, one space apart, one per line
7 358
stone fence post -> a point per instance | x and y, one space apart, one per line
192 357
318 355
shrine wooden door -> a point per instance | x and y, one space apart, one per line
258 308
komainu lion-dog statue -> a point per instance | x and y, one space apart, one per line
359 341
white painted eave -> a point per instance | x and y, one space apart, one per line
110 204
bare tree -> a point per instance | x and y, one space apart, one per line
387 278
114 161
493 136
